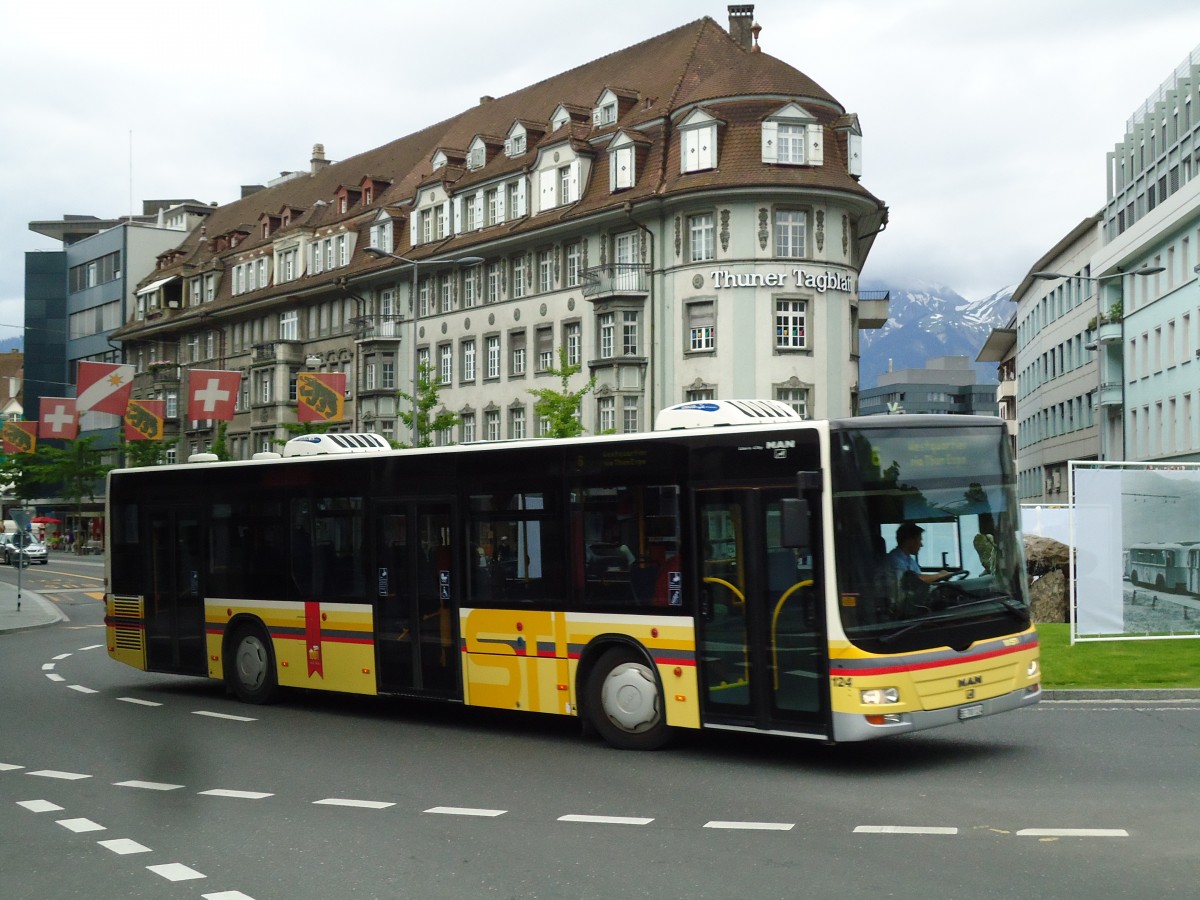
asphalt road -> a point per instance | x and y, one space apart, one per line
116 784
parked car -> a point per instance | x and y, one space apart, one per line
23 549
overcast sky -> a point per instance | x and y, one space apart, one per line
985 122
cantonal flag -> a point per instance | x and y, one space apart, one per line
144 420
321 396
103 387
19 437
58 419
212 394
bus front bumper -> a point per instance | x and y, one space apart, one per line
857 727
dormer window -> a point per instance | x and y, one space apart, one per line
697 142
622 163
792 137
439 160
343 204
381 234
368 195
560 118
514 144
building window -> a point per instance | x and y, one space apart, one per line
574 260
512 203
698 148
516 344
629 332
518 277
466 428
796 398
701 237
545 271
607 332
790 226
789 324
423 294
695 395
493 283
493 356
564 184
573 338
606 415
445 295
289 325
388 373
491 204
630 415
445 363
701 325
491 422
470 287
545 348
516 423
468 360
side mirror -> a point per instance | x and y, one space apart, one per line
794 523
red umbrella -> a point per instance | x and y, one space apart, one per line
45 520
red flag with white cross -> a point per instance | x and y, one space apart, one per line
212 394
58 419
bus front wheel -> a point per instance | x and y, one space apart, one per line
250 673
625 701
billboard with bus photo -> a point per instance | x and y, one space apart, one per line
1135 530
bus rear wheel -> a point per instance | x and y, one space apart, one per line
250 669
625 701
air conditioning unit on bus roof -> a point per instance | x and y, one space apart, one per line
345 442
710 413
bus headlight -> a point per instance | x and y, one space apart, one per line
879 696
1032 668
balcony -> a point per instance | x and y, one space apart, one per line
616 279
1111 394
291 352
382 329
1006 390
873 308
1109 333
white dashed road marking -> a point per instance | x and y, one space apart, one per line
465 811
9 767
82 689
124 846
81 825
752 826
1072 832
175 872
217 715
227 895
606 820
51 773
39 805
138 702
361 804
148 785
238 795
903 829
53 677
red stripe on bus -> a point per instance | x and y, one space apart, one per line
932 664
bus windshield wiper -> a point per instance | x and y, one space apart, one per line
1010 606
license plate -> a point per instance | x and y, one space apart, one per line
971 712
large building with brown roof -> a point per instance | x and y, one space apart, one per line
684 218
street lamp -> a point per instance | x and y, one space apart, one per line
1095 345
416 315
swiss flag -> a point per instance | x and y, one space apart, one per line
103 387
212 394
58 418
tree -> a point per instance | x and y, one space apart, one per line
146 453
561 408
78 471
22 476
427 400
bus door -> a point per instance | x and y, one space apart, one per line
415 571
761 643
174 605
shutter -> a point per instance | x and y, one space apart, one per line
623 160
614 163
547 198
687 150
706 148
446 223
770 142
573 182
854 163
456 226
412 229
596 117
478 209
500 199
508 146
814 153
522 203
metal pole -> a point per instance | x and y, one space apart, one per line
416 378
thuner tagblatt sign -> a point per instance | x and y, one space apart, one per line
797 278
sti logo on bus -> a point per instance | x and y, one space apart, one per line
967 682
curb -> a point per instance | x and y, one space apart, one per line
1096 696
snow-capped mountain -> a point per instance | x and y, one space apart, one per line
930 320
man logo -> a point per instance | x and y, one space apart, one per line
967 682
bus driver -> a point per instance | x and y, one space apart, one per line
903 559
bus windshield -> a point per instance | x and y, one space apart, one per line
928 537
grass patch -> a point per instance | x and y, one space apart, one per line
1116 664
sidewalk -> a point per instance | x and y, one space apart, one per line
36 611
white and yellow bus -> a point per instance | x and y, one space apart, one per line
727 570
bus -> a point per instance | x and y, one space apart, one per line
1165 566
727 570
